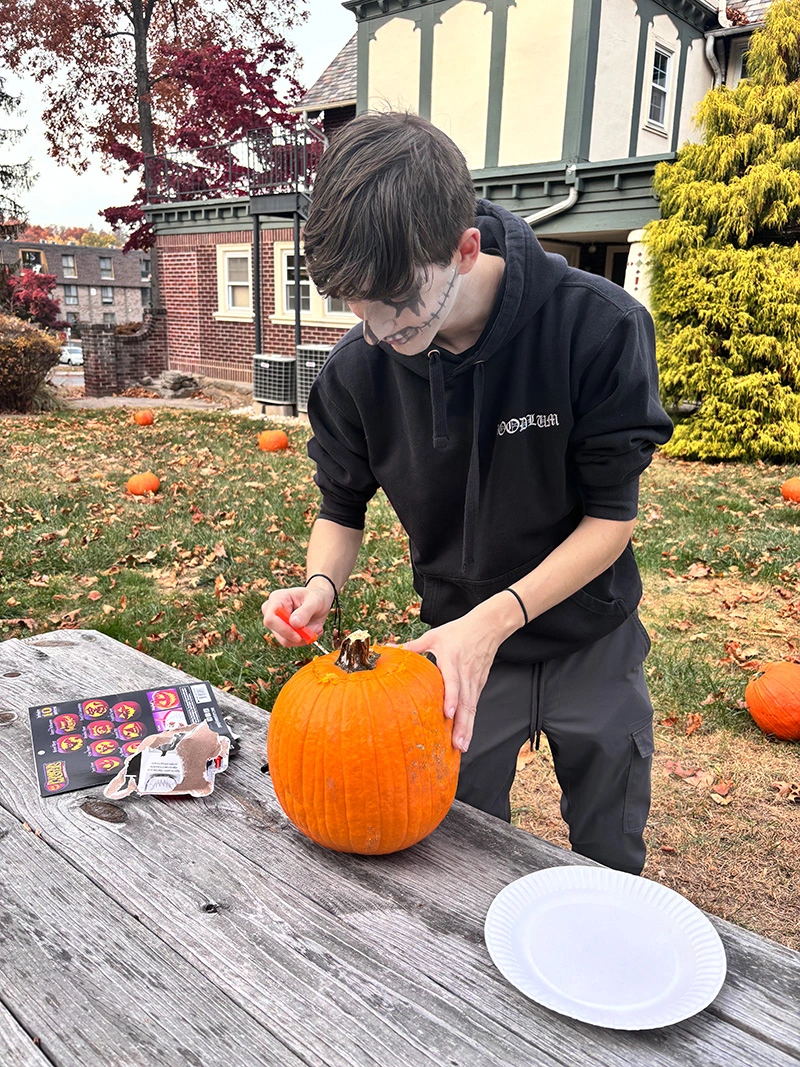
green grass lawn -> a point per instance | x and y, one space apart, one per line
182 576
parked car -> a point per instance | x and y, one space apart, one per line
72 354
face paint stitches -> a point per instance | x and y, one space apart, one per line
412 302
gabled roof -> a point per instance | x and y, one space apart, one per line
336 86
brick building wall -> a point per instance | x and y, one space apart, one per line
199 343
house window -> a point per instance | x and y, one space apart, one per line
290 289
68 266
315 310
237 281
70 294
145 268
106 267
72 318
31 259
659 86
234 283
737 64
109 318
106 294
145 297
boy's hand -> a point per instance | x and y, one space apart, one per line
465 650
306 605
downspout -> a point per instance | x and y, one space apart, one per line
257 281
711 57
563 205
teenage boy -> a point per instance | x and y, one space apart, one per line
507 404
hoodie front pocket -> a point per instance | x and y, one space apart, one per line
447 599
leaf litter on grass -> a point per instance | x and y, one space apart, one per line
182 576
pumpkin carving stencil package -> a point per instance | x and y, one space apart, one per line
359 750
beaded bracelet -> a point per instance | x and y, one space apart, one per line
337 611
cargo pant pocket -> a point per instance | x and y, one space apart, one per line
637 790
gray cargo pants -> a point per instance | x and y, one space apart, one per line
594 707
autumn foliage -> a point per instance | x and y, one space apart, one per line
26 356
141 77
27 295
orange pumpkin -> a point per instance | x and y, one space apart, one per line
144 417
272 441
359 750
773 699
790 490
143 483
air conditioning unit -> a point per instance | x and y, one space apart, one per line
310 359
274 379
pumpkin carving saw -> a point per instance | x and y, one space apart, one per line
360 752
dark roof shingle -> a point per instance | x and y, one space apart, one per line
337 83
754 10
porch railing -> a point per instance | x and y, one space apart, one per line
269 160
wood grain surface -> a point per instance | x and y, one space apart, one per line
211 928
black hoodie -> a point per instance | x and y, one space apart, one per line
491 458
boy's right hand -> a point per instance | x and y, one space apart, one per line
307 606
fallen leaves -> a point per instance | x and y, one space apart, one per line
698 570
693 776
693 723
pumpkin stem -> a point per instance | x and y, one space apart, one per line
355 654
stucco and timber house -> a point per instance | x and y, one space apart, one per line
562 110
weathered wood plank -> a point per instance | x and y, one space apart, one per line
764 990
99 988
285 963
16 1046
396 884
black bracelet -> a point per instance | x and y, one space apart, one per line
337 611
519 600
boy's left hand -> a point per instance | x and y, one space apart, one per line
465 651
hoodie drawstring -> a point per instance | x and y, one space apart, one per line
472 494
441 440
438 404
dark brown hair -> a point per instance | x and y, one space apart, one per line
392 195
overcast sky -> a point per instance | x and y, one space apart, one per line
64 198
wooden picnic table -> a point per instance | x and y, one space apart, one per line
209 932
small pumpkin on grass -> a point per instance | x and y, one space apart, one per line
790 490
143 416
140 484
272 441
360 752
773 699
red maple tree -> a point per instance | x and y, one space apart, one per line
27 295
135 78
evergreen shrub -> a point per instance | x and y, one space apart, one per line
725 261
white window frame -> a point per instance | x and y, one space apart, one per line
73 269
224 312
318 313
106 294
736 61
71 298
106 277
663 129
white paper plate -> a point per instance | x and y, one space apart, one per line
605 947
